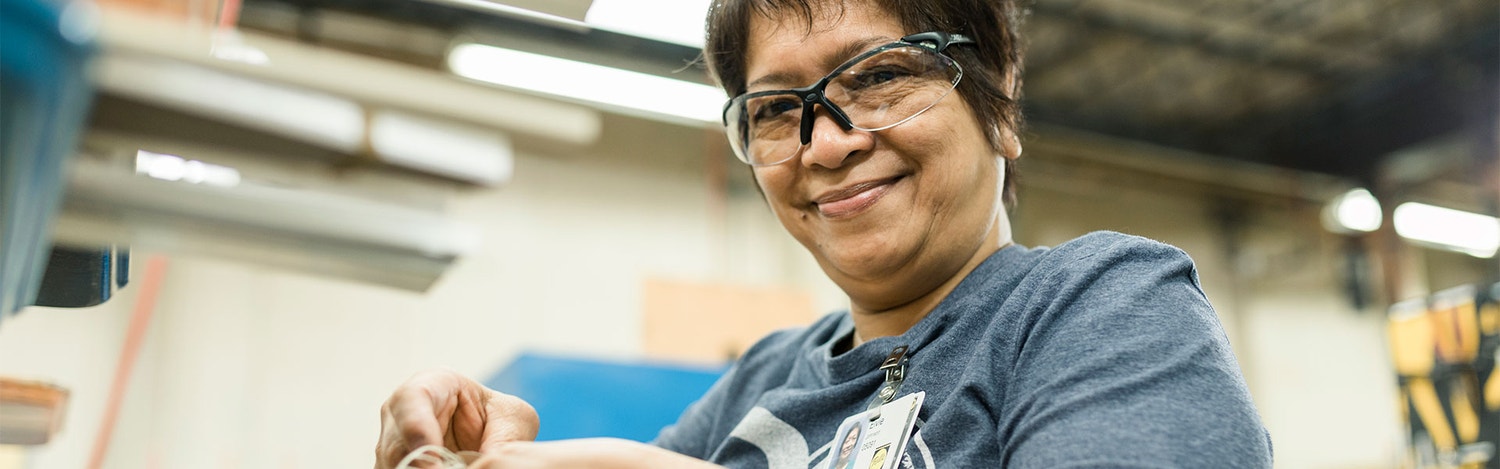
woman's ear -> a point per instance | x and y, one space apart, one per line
1010 144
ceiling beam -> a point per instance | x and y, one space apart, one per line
498 26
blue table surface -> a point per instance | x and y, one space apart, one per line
580 397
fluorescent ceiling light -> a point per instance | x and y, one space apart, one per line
1355 211
176 168
678 21
1470 233
630 91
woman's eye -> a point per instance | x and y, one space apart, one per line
773 109
879 76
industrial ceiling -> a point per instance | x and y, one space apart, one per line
1329 86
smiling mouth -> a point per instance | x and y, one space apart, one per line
850 201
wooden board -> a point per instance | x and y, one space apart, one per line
715 322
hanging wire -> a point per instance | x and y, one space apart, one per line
438 457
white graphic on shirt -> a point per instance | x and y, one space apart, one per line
782 444
786 448
921 445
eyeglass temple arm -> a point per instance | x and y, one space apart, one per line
937 40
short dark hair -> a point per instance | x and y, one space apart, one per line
995 58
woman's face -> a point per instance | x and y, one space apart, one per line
850 440
888 215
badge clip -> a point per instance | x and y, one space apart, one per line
895 373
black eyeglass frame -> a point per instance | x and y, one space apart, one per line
810 95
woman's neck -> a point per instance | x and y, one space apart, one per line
871 324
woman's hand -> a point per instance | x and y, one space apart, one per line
448 409
588 453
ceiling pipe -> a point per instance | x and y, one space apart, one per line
1208 170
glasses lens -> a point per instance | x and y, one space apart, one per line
763 129
877 92
893 86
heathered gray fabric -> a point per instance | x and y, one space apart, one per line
1101 352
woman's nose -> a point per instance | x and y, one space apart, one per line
831 146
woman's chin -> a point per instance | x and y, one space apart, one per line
865 264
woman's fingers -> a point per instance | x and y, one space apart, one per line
511 419
448 409
409 419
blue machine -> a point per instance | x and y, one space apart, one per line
45 94
579 398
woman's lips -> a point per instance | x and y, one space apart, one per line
848 202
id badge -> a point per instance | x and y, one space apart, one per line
875 439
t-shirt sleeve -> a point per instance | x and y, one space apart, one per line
1125 364
690 435
705 425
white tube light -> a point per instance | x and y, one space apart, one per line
676 21
1471 233
1356 211
176 168
632 92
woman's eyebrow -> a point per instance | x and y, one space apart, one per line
781 80
774 80
849 50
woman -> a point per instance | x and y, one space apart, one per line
848 442
1100 352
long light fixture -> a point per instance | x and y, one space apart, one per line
677 21
632 92
1471 233
176 168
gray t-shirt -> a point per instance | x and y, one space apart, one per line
1101 352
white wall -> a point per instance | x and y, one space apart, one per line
75 349
252 368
